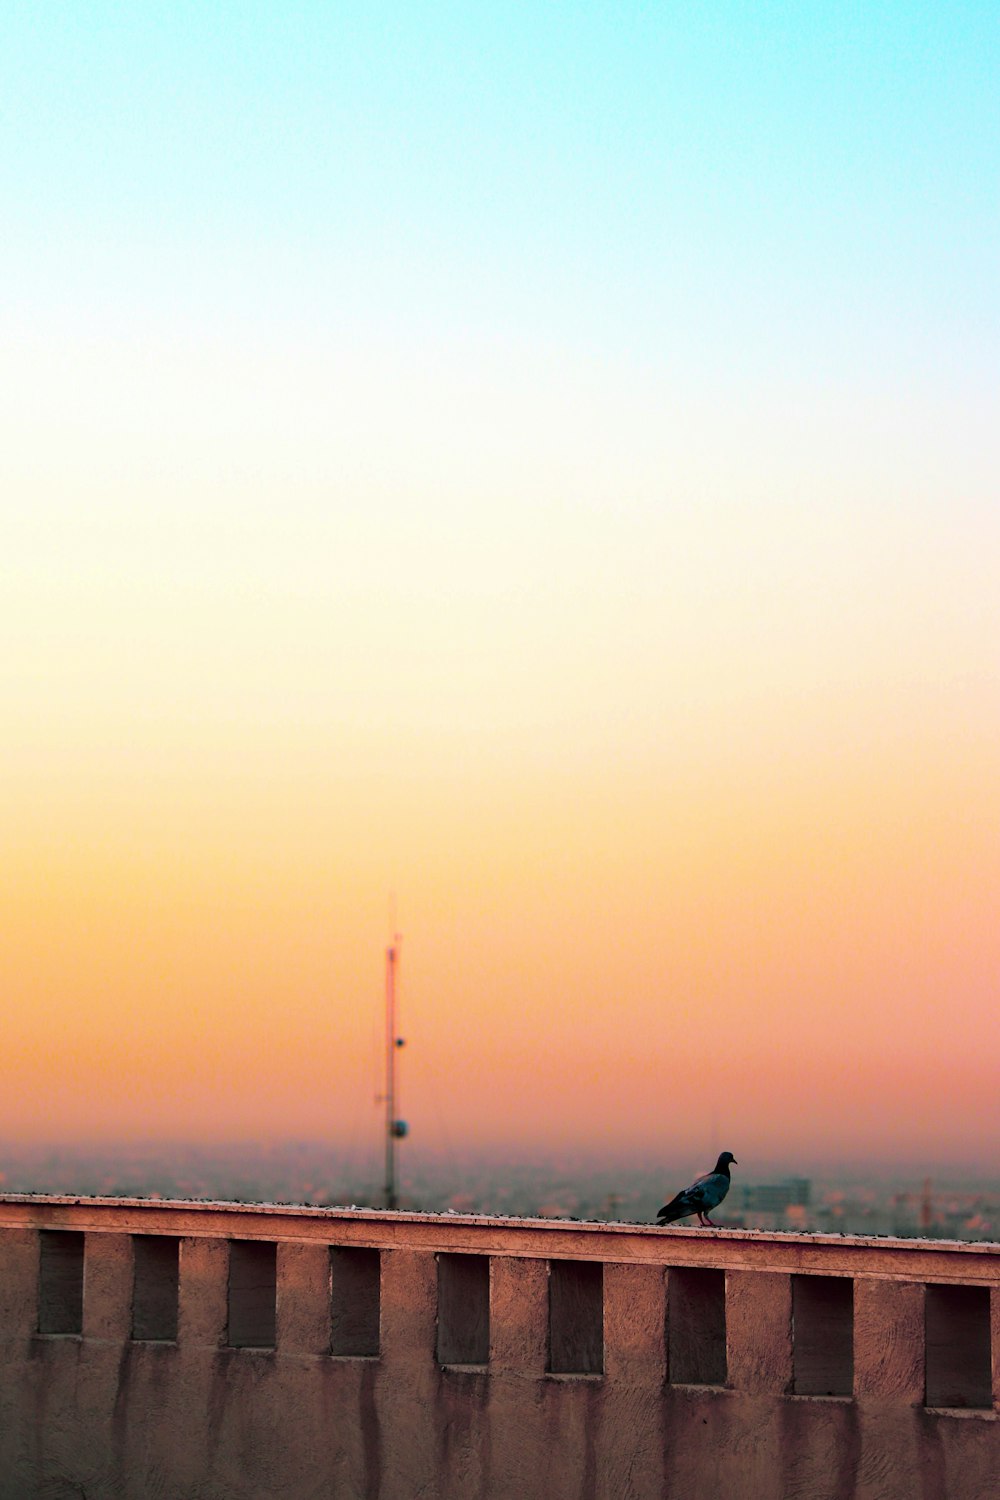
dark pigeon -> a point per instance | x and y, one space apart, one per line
705 1193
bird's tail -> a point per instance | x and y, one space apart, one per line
671 1211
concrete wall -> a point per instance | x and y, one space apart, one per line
591 1362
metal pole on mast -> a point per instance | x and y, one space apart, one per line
394 1128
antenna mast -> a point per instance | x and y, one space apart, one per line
395 1129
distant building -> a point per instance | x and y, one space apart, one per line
777 1197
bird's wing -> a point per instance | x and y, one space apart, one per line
708 1191
692 1199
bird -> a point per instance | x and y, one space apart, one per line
705 1193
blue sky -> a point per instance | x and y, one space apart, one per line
796 184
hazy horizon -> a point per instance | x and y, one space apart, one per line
369 1161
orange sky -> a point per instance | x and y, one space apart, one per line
795 939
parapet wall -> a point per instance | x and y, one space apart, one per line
196 1351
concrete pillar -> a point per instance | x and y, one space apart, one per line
202 1295
626 1423
403 1444
409 1308
889 1341
107 1287
759 1332
519 1356
303 1299
635 1324
519 1315
19 1257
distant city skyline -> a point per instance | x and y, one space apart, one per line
862 1200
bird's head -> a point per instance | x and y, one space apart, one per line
726 1158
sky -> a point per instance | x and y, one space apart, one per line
523 475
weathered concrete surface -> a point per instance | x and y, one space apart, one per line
889 1342
100 1415
727 1249
759 1332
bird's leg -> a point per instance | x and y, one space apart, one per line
708 1222
701 1219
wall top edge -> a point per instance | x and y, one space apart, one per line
587 1227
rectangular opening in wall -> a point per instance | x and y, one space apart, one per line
154 1286
576 1317
60 1281
463 1328
822 1335
354 1301
696 1326
957 1346
252 1287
